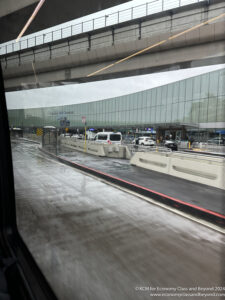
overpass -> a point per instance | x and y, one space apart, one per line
72 58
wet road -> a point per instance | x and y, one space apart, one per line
95 242
188 191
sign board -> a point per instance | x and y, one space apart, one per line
39 132
83 120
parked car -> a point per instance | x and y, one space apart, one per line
144 141
216 141
171 145
66 135
76 136
108 137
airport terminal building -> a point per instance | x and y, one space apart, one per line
193 106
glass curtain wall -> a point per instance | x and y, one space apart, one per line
199 100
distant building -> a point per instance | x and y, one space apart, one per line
191 107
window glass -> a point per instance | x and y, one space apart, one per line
188 89
170 94
213 84
164 95
221 109
182 91
95 239
205 86
212 105
221 88
115 137
197 87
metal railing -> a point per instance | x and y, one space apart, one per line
129 14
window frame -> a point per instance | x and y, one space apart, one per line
24 278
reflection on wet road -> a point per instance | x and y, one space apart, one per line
93 241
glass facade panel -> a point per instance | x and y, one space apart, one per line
205 86
174 113
196 88
158 96
170 94
213 84
193 100
182 91
181 111
221 87
203 111
221 109
154 97
212 105
187 112
176 92
164 95
188 89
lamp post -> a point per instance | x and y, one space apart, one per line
85 135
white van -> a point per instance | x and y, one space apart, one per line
108 137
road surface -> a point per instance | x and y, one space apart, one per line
94 241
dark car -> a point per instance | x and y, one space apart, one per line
171 145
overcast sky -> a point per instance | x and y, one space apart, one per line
80 93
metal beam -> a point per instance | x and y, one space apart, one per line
53 12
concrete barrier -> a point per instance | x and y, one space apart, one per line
203 169
112 150
33 136
155 161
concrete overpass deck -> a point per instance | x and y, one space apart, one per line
72 59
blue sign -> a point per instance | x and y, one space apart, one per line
221 131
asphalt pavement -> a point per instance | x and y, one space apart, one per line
191 192
95 242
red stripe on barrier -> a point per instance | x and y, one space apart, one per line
152 191
141 187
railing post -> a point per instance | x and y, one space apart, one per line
162 5
132 13
61 33
82 27
27 42
71 30
35 41
105 20
5 49
118 17
52 35
179 3
146 8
